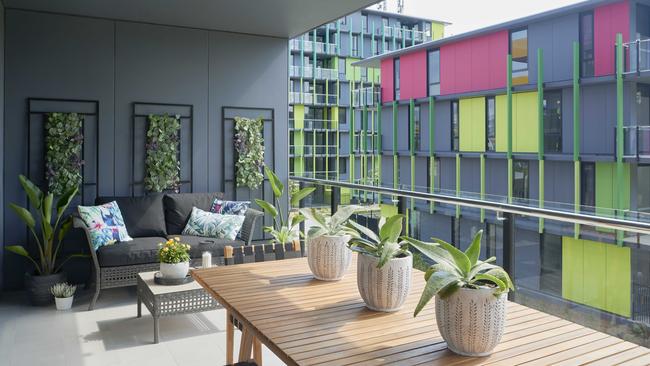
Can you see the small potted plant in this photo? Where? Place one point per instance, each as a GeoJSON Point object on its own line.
{"type": "Point", "coordinates": [384, 265]}
{"type": "Point", "coordinates": [174, 259]}
{"type": "Point", "coordinates": [63, 295]}
{"type": "Point", "coordinates": [466, 287]}
{"type": "Point", "coordinates": [327, 241]}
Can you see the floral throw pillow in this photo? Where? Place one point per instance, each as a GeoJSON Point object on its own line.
{"type": "Point", "coordinates": [230, 207]}
{"type": "Point", "coordinates": [213, 225]}
{"type": "Point", "coordinates": [105, 224]}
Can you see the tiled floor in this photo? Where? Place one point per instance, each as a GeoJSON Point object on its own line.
{"type": "Point", "coordinates": [109, 335]}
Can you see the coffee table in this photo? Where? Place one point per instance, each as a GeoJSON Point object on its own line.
{"type": "Point", "coordinates": [171, 300]}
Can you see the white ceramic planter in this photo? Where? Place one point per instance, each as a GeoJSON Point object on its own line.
{"type": "Point", "coordinates": [471, 321]}
{"type": "Point", "coordinates": [329, 256]}
{"type": "Point", "coordinates": [174, 270]}
{"type": "Point", "coordinates": [385, 288]}
{"type": "Point", "coordinates": [63, 303]}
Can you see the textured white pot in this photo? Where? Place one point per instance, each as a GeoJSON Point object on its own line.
{"type": "Point", "coordinates": [385, 288]}
{"type": "Point", "coordinates": [174, 270]}
{"type": "Point", "coordinates": [471, 321]}
{"type": "Point", "coordinates": [63, 303]}
{"type": "Point", "coordinates": [329, 256]}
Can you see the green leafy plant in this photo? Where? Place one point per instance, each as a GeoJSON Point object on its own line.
{"type": "Point", "coordinates": [63, 144]}
{"type": "Point", "coordinates": [63, 290]}
{"type": "Point", "coordinates": [386, 245]}
{"type": "Point", "coordinates": [249, 145]}
{"type": "Point", "coordinates": [161, 162]}
{"type": "Point", "coordinates": [284, 227]}
{"type": "Point", "coordinates": [455, 269]}
{"type": "Point", "coordinates": [173, 251]}
{"type": "Point", "coordinates": [48, 237]}
{"type": "Point", "coordinates": [334, 225]}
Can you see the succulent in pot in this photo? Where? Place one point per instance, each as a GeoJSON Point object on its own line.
{"type": "Point", "coordinates": [328, 254]}
{"type": "Point", "coordinates": [63, 295]}
{"type": "Point", "coordinates": [384, 264]}
{"type": "Point", "coordinates": [174, 259]}
{"type": "Point", "coordinates": [470, 295]}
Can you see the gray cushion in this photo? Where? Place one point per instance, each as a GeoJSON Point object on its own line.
{"type": "Point", "coordinates": [178, 208]}
{"type": "Point", "coordinates": [143, 216]}
{"type": "Point", "coordinates": [137, 251]}
{"type": "Point", "coordinates": [201, 244]}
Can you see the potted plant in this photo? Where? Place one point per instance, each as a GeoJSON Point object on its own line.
{"type": "Point", "coordinates": [327, 241]}
{"type": "Point", "coordinates": [284, 229]}
{"type": "Point", "coordinates": [63, 295]}
{"type": "Point", "coordinates": [384, 265]}
{"type": "Point", "coordinates": [47, 237]}
{"type": "Point", "coordinates": [470, 296]}
{"type": "Point", "coordinates": [174, 259]}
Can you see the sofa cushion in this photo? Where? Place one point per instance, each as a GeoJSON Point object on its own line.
{"type": "Point", "coordinates": [143, 216]}
{"type": "Point", "coordinates": [178, 208]}
{"type": "Point", "coordinates": [200, 244]}
{"type": "Point", "coordinates": [213, 225]}
{"type": "Point", "coordinates": [105, 224]}
{"type": "Point", "coordinates": [137, 251]}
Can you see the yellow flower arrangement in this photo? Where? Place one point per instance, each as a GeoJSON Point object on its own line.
{"type": "Point", "coordinates": [173, 251]}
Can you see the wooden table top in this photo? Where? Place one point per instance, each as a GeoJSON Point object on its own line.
{"type": "Point", "coordinates": [309, 322]}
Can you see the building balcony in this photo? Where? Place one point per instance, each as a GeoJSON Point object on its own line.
{"type": "Point", "coordinates": [312, 99]}
{"type": "Point", "coordinates": [636, 141]}
{"type": "Point", "coordinates": [310, 46]}
{"type": "Point", "coordinates": [637, 55]}
{"type": "Point", "coordinates": [311, 72]}
{"type": "Point", "coordinates": [409, 34]}
{"type": "Point", "coordinates": [311, 150]}
{"type": "Point", "coordinates": [313, 124]}
{"type": "Point", "coordinates": [365, 97]}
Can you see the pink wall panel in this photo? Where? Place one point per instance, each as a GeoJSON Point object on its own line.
{"type": "Point", "coordinates": [608, 21]}
{"type": "Point", "coordinates": [474, 64]}
{"type": "Point", "coordinates": [413, 70]}
{"type": "Point", "coordinates": [387, 80]}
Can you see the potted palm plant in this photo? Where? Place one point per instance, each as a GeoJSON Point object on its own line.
{"type": "Point", "coordinates": [384, 264]}
{"type": "Point", "coordinates": [284, 229]}
{"type": "Point", "coordinates": [47, 237]}
{"type": "Point", "coordinates": [327, 241]}
{"type": "Point", "coordinates": [470, 295]}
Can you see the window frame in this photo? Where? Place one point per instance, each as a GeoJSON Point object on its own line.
{"type": "Point", "coordinates": [429, 83]}
{"type": "Point", "coordinates": [355, 45]}
{"type": "Point", "coordinates": [454, 106]}
{"type": "Point", "coordinates": [584, 189]}
{"type": "Point", "coordinates": [581, 42]}
{"type": "Point", "coordinates": [515, 164]}
{"type": "Point", "coordinates": [364, 23]}
{"type": "Point", "coordinates": [436, 178]}
{"type": "Point", "coordinates": [491, 98]}
{"type": "Point", "coordinates": [417, 126]}
{"type": "Point", "coordinates": [397, 77]}
{"type": "Point", "coordinates": [547, 93]}
{"type": "Point", "coordinates": [527, 69]}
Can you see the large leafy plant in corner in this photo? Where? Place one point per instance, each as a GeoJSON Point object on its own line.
{"type": "Point", "coordinates": [455, 269]}
{"type": "Point", "coordinates": [162, 167]}
{"type": "Point", "coordinates": [284, 228]}
{"type": "Point", "coordinates": [48, 236]}
{"type": "Point", "coordinates": [63, 144]}
{"type": "Point", "coordinates": [386, 245]}
{"type": "Point", "coordinates": [334, 225]}
{"type": "Point", "coordinates": [249, 145]}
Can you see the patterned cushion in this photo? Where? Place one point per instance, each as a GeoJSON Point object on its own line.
{"type": "Point", "coordinates": [229, 207]}
{"type": "Point", "coordinates": [105, 224]}
{"type": "Point", "coordinates": [213, 225]}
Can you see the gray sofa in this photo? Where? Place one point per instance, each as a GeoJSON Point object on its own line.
{"type": "Point", "coordinates": [150, 220]}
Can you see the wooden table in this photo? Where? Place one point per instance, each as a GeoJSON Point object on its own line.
{"type": "Point", "coordinates": [309, 322]}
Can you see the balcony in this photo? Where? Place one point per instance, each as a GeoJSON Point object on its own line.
{"type": "Point", "coordinates": [309, 72]}
{"type": "Point", "coordinates": [636, 141]}
{"type": "Point", "coordinates": [313, 124]}
{"type": "Point", "coordinates": [310, 46]}
{"type": "Point", "coordinates": [312, 99]}
{"type": "Point", "coordinates": [408, 34]}
{"type": "Point", "coordinates": [365, 97]}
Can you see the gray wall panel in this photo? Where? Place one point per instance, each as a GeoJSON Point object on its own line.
{"type": "Point", "coordinates": [448, 174]}
{"type": "Point", "coordinates": [496, 177]}
{"type": "Point", "coordinates": [555, 36]}
{"type": "Point", "coordinates": [559, 176]}
{"type": "Point", "coordinates": [443, 126]}
{"type": "Point", "coordinates": [470, 175]}
{"type": "Point", "coordinates": [598, 112]}
{"type": "Point", "coordinates": [424, 127]}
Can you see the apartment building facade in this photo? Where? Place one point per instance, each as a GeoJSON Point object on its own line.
{"type": "Point", "coordinates": [551, 110]}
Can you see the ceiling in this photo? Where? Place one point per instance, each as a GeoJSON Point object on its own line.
{"type": "Point", "coordinates": [277, 18]}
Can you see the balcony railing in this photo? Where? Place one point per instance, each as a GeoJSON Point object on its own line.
{"type": "Point", "coordinates": [312, 99]}
{"type": "Point", "coordinates": [307, 150]}
{"type": "Point", "coordinates": [365, 97]}
{"type": "Point", "coordinates": [409, 34]}
{"type": "Point", "coordinates": [313, 123]}
{"type": "Point", "coordinates": [310, 46]}
{"type": "Point", "coordinates": [636, 141]}
{"type": "Point", "coordinates": [637, 54]}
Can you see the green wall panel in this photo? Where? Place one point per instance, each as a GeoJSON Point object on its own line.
{"type": "Point", "coordinates": [437, 30]}
{"type": "Point", "coordinates": [472, 124]}
{"type": "Point", "coordinates": [596, 274]}
{"type": "Point", "coordinates": [352, 73]}
{"type": "Point", "coordinates": [524, 123]}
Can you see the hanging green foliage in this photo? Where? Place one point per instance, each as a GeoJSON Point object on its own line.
{"type": "Point", "coordinates": [162, 167]}
{"type": "Point", "coordinates": [63, 146]}
{"type": "Point", "coordinates": [249, 145]}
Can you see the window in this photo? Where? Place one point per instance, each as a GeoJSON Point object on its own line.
{"type": "Point", "coordinates": [436, 174]}
{"type": "Point", "coordinates": [490, 124]}
{"type": "Point", "coordinates": [344, 20]}
{"type": "Point", "coordinates": [364, 22]}
{"type": "Point", "coordinates": [384, 22]}
{"type": "Point", "coordinates": [342, 66]}
{"type": "Point", "coordinates": [364, 74]}
{"type": "Point", "coordinates": [427, 29]}
{"type": "Point", "coordinates": [343, 116]}
{"type": "Point", "coordinates": [550, 280]}
{"type": "Point", "coordinates": [433, 72]}
{"type": "Point", "coordinates": [396, 78]}
{"type": "Point", "coordinates": [587, 44]}
{"type": "Point", "coordinates": [375, 46]}
{"type": "Point", "coordinates": [519, 52]}
{"type": "Point", "coordinates": [386, 46]}
{"type": "Point", "coordinates": [416, 128]}
{"type": "Point", "coordinates": [355, 45]}
{"type": "Point", "coordinates": [553, 121]}
{"type": "Point", "coordinates": [454, 125]}
{"type": "Point", "coordinates": [520, 184]}
{"type": "Point", "coordinates": [588, 186]}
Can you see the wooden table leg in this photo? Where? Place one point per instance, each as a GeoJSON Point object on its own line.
{"type": "Point", "coordinates": [257, 351]}
{"type": "Point", "coordinates": [246, 345]}
{"type": "Point", "coordinates": [230, 339]}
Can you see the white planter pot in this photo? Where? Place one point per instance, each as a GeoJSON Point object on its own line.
{"type": "Point", "coordinates": [329, 256]}
{"type": "Point", "coordinates": [63, 303]}
{"type": "Point", "coordinates": [385, 288]}
{"type": "Point", "coordinates": [174, 270]}
{"type": "Point", "coordinates": [471, 321]}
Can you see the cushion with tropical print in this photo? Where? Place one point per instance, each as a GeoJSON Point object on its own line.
{"type": "Point", "coordinates": [105, 224]}
{"type": "Point", "coordinates": [229, 207]}
{"type": "Point", "coordinates": [213, 225]}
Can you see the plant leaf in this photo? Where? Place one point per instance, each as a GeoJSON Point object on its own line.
{"type": "Point", "coordinates": [486, 277]}
{"type": "Point", "coordinates": [364, 230]}
{"type": "Point", "coordinates": [47, 209]}
{"type": "Point", "coordinates": [20, 250]}
{"type": "Point", "coordinates": [343, 215]}
{"type": "Point", "coordinates": [24, 215]}
{"type": "Point", "coordinates": [435, 252]}
{"type": "Point", "coordinates": [64, 201]}
{"type": "Point", "coordinates": [474, 249]}
{"type": "Point", "coordinates": [300, 195]}
{"type": "Point", "coordinates": [461, 260]}
{"type": "Point", "coordinates": [436, 282]}
{"type": "Point", "coordinates": [392, 228]}
{"type": "Point", "coordinates": [34, 193]}
{"type": "Point", "coordinates": [267, 207]}
{"type": "Point", "coordinates": [502, 275]}
{"type": "Point", "coordinates": [276, 183]}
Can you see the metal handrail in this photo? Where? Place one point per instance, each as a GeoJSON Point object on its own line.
{"type": "Point", "coordinates": [516, 209]}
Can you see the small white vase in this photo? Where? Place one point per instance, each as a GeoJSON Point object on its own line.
{"type": "Point", "coordinates": [386, 288]}
{"type": "Point", "coordinates": [63, 303]}
{"type": "Point", "coordinates": [174, 270]}
{"type": "Point", "coordinates": [471, 321]}
{"type": "Point", "coordinates": [329, 256]}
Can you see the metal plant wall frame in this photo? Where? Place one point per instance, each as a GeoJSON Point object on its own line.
{"type": "Point", "coordinates": [63, 152]}
{"type": "Point", "coordinates": [162, 164]}
{"type": "Point", "coordinates": [249, 148]}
